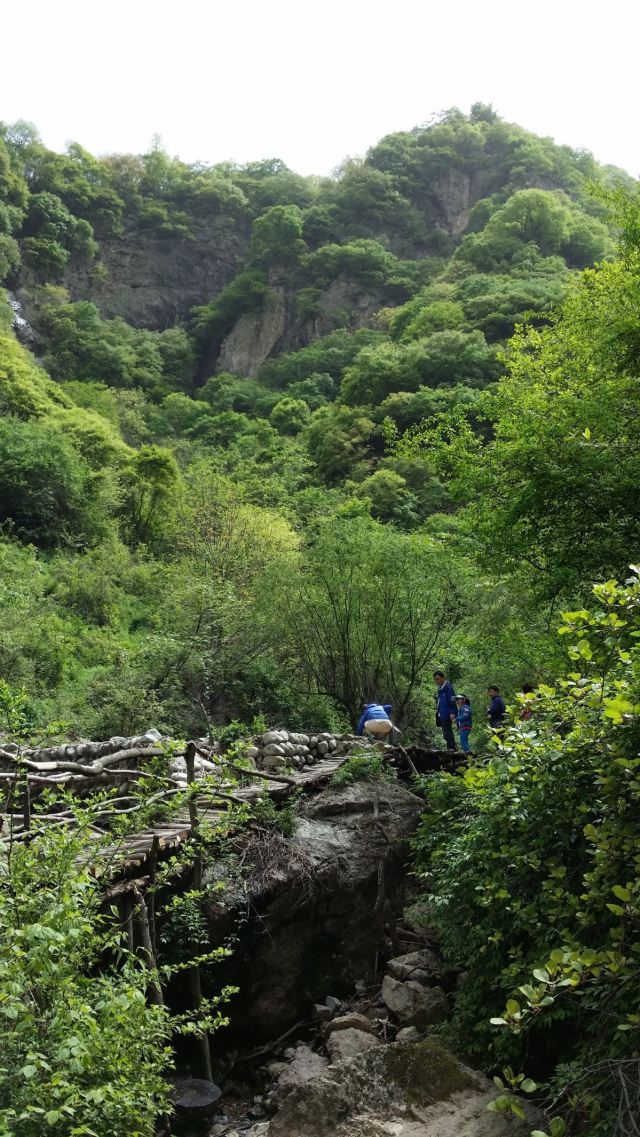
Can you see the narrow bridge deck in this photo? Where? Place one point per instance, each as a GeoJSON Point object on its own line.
{"type": "Point", "coordinates": [133, 851]}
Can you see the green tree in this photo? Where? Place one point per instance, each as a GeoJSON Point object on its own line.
{"type": "Point", "coordinates": [276, 238]}
{"type": "Point", "coordinates": [289, 415]}
{"type": "Point", "coordinates": [337, 438]}
{"type": "Point", "coordinates": [365, 617]}
{"type": "Point", "coordinates": [554, 489]}
{"type": "Point", "coordinates": [48, 493]}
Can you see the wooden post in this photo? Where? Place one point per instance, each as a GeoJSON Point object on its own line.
{"type": "Point", "coordinates": [26, 805]}
{"type": "Point", "coordinates": [155, 990]}
{"type": "Point", "coordinates": [195, 982]}
{"type": "Point", "coordinates": [151, 892]}
{"type": "Point", "coordinates": [128, 918]}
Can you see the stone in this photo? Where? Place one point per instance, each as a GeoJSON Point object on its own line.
{"type": "Point", "coordinates": [271, 736]}
{"type": "Point", "coordinates": [352, 1020]}
{"type": "Point", "coordinates": [274, 1069]}
{"type": "Point", "coordinates": [413, 1004]}
{"type": "Point", "coordinates": [321, 1013]}
{"type": "Point", "coordinates": [419, 965]}
{"type": "Point", "coordinates": [323, 748]}
{"type": "Point", "coordinates": [395, 1085]}
{"type": "Point", "coordinates": [252, 752]}
{"type": "Point", "coordinates": [304, 1066]}
{"type": "Point", "coordinates": [273, 761]}
{"type": "Point", "coordinates": [408, 1034]}
{"type": "Point", "coordinates": [274, 748]}
{"type": "Point", "coordinates": [332, 1003]}
{"type": "Point", "coordinates": [347, 1043]}
{"type": "Point", "coordinates": [333, 745]}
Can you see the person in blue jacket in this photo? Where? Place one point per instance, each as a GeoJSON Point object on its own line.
{"type": "Point", "coordinates": [464, 720]}
{"type": "Point", "coordinates": [375, 719]}
{"type": "Point", "coordinates": [446, 710]}
{"type": "Point", "coordinates": [497, 709]}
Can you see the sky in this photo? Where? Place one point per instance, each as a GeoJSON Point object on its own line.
{"type": "Point", "coordinates": [316, 83]}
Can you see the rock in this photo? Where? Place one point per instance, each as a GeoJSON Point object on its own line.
{"type": "Point", "coordinates": [272, 736]}
{"type": "Point", "coordinates": [347, 1043]}
{"type": "Point", "coordinates": [313, 741]}
{"type": "Point", "coordinates": [321, 1013]}
{"type": "Point", "coordinates": [413, 1004]}
{"type": "Point", "coordinates": [332, 1003]}
{"type": "Point", "coordinates": [309, 926]}
{"type": "Point", "coordinates": [274, 1069]}
{"type": "Point", "coordinates": [274, 748]}
{"type": "Point", "coordinates": [252, 752]}
{"type": "Point", "coordinates": [352, 1020]}
{"type": "Point", "coordinates": [408, 1034]}
{"type": "Point", "coordinates": [333, 745]}
{"type": "Point", "coordinates": [305, 1065]}
{"type": "Point", "coordinates": [418, 965]}
{"type": "Point", "coordinates": [386, 1083]}
{"type": "Point", "coordinates": [273, 761]}
{"type": "Point", "coordinates": [323, 748]}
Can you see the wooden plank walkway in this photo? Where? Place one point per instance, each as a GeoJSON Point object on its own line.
{"type": "Point", "coordinates": [134, 850]}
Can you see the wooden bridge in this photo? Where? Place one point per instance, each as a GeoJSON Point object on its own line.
{"type": "Point", "coordinates": [204, 787]}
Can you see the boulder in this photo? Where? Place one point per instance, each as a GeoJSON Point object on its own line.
{"type": "Point", "coordinates": [347, 1043]}
{"type": "Point", "coordinates": [419, 965]}
{"type": "Point", "coordinates": [271, 736]}
{"type": "Point", "coordinates": [304, 1066]}
{"type": "Point", "coordinates": [274, 748]}
{"type": "Point", "coordinates": [408, 1034]}
{"type": "Point", "coordinates": [413, 1004]}
{"type": "Point", "coordinates": [352, 1020]}
{"type": "Point", "coordinates": [388, 1083]}
{"type": "Point", "coordinates": [317, 921]}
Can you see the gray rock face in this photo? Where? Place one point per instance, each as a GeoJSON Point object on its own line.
{"type": "Point", "coordinates": [371, 1096]}
{"type": "Point", "coordinates": [318, 925]}
{"type": "Point", "coordinates": [153, 280]}
{"type": "Point", "coordinates": [413, 1004]}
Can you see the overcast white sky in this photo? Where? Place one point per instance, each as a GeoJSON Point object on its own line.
{"type": "Point", "coordinates": [314, 82]}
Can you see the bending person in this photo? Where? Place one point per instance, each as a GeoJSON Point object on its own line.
{"type": "Point", "coordinates": [375, 720]}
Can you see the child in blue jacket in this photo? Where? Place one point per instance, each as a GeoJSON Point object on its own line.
{"type": "Point", "coordinates": [464, 720]}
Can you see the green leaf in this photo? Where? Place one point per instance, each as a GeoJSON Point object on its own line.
{"type": "Point", "coordinates": [621, 893]}
{"type": "Point", "coordinates": [529, 1086]}
{"type": "Point", "coordinates": [541, 975]}
{"type": "Point", "coordinates": [616, 909]}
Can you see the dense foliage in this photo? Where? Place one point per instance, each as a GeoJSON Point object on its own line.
{"type": "Point", "coordinates": [531, 865]}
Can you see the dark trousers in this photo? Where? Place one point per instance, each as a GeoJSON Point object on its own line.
{"type": "Point", "coordinates": [449, 737]}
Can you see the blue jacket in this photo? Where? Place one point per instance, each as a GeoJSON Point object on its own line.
{"type": "Point", "coordinates": [496, 710]}
{"type": "Point", "coordinates": [374, 711]}
{"type": "Point", "coordinates": [463, 717]}
{"type": "Point", "coordinates": [445, 702]}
